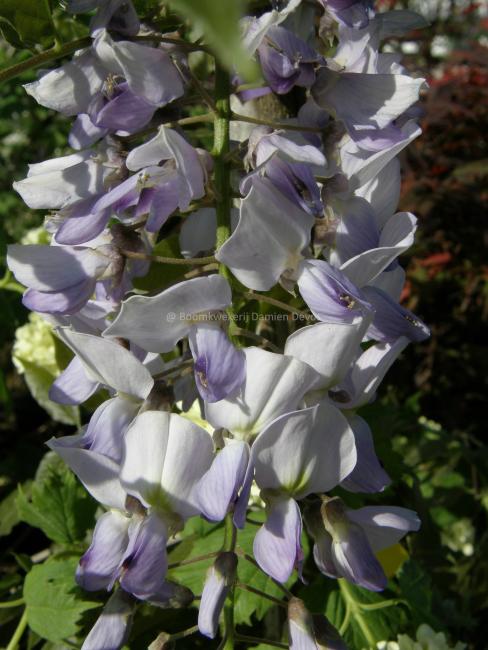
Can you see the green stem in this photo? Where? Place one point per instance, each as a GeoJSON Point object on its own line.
{"type": "Point", "coordinates": [19, 631]}
{"type": "Point", "coordinates": [355, 610]}
{"type": "Point", "coordinates": [56, 52]}
{"type": "Point", "coordinates": [12, 603]}
{"type": "Point", "coordinates": [239, 331]}
{"type": "Point", "coordinates": [220, 150]}
{"type": "Point", "coordinates": [184, 633]}
{"type": "Point", "coordinates": [9, 284]}
{"type": "Point", "coordinates": [251, 560]}
{"type": "Point", "coordinates": [371, 607]}
{"type": "Point", "coordinates": [230, 538]}
{"type": "Point", "coordinates": [254, 640]}
{"type": "Point", "coordinates": [275, 125]}
{"type": "Point", "coordinates": [261, 594]}
{"type": "Point", "coordinates": [200, 558]}
{"type": "Point", "coordinates": [192, 261]}
{"type": "Point", "coordinates": [252, 295]}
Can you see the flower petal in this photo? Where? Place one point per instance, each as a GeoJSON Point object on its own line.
{"type": "Point", "coordinates": [216, 491]}
{"type": "Point", "coordinates": [277, 546]}
{"type": "Point", "coordinates": [97, 567]}
{"type": "Point", "coordinates": [157, 324]}
{"type": "Point", "coordinates": [307, 451]}
{"type": "Point", "coordinates": [109, 363]}
{"type": "Point", "coordinates": [274, 385]}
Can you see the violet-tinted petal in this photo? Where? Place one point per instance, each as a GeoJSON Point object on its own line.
{"type": "Point", "coordinates": [99, 474]}
{"type": "Point", "coordinates": [277, 546]}
{"type": "Point", "coordinates": [78, 230]}
{"type": "Point", "coordinates": [149, 72]}
{"type": "Point", "coordinates": [217, 490]}
{"type": "Point", "coordinates": [220, 368]}
{"type": "Point", "coordinates": [157, 323]}
{"type": "Point", "coordinates": [269, 239]}
{"type": "Point", "coordinates": [218, 581]}
{"type": "Point", "coordinates": [297, 182]}
{"type": "Point", "coordinates": [329, 348]}
{"type": "Point", "coordinates": [275, 383]}
{"type": "Point", "coordinates": [84, 133]}
{"type": "Point", "coordinates": [67, 301]}
{"type": "Point", "coordinates": [357, 231]}
{"type": "Point", "coordinates": [304, 452]}
{"type": "Point", "coordinates": [240, 510]}
{"type": "Point", "coordinates": [368, 475]}
{"type": "Point", "coordinates": [112, 628]}
{"type": "Point", "coordinates": [54, 268]}
{"type": "Point", "coordinates": [354, 559]}
{"type": "Point", "coordinates": [70, 88]}
{"type": "Point", "coordinates": [166, 455]}
{"type": "Point", "coordinates": [368, 372]}
{"type": "Point", "coordinates": [396, 237]}
{"type": "Point", "coordinates": [391, 320]}
{"type": "Point", "coordinates": [73, 386]}
{"type": "Point", "coordinates": [98, 566]}
{"type": "Point", "coordinates": [278, 70]}
{"type": "Point", "coordinates": [165, 200]}
{"type": "Point", "coordinates": [109, 363]}
{"type": "Point", "coordinates": [384, 97]}
{"type": "Point", "coordinates": [362, 166]}
{"type": "Point", "coordinates": [300, 626]}
{"type": "Point", "coordinates": [107, 426]}
{"type": "Point", "coordinates": [330, 295]}
{"type": "Point", "coordinates": [144, 565]}
{"type": "Point", "coordinates": [384, 525]}
{"type": "Point", "coordinates": [126, 112]}
{"type": "Point", "coordinates": [322, 554]}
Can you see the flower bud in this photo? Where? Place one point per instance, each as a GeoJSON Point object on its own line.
{"type": "Point", "coordinates": [300, 626]}
{"type": "Point", "coordinates": [113, 625]}
{"type": "Point", "coordinates": [220, 578]}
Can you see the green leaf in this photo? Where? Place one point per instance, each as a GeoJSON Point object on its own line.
{"type": "Point", "coordinates": [9, 515]}
{"type": "Point", "coordinates": [202, 538]}
{"type": "Point", "coordinates": [416, 588]}
{"type": "Point", "coordinates": [26, 22]}
{"type": "Point", "coordinates": [363, 628]}
{"type": "Point", "coordinates": [58, 504]}
{"type": "Point", "coordinates": [220, 25]}
{"type": "Point", "coordinates": [54, 603]}
{"type": "Point", "coordinates": [246, 603]}
{"type": "Point", "coordinates": [39, 381]}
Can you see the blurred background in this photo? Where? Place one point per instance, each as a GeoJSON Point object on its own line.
{"type": "Point", "coordinates": [430, 418]}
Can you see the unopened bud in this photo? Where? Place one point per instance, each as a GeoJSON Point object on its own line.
{"type": "Point", "coordinates": [300, 625]}
{"type": "Point", "coordinates": [220, 578]}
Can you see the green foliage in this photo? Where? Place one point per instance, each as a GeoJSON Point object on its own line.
{"type": "Point", "coordinates": [54, 604]}
{"type": "Point", "coordinates": [39, 382]}
{"type": "Point", "coordinates": [26, 22]}
{"type": "Point", "coordinates": [202, 538]}
{"type": "Point", "coordinates": [9, 514]}
{"type": "Point", "coordinates": [58, 504]}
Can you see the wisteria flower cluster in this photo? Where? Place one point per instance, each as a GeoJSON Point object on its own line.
{"type": "Point", "coordinates": [306, 204]}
